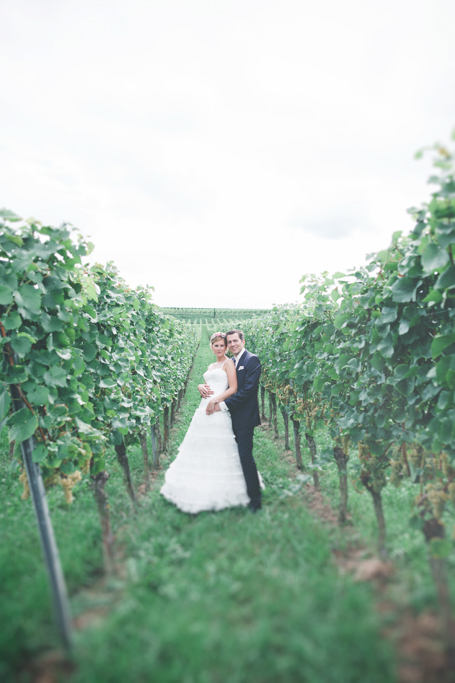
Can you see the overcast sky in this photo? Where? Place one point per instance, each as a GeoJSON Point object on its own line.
{"type": "Point", "coordinates": [219, 150]}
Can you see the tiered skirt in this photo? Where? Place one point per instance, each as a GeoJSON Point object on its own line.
{"type": "Point", "coordinates": [207, 473]}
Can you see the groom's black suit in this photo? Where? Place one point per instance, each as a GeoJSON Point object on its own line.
{"type": "Point", "coordinates": [244, 409]}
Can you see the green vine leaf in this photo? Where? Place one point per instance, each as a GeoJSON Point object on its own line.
{"type": "Point", "coordinates": [22, 425]}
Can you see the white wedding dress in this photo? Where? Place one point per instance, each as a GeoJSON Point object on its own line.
{"type": "Point", "coordinates": [207, 474]}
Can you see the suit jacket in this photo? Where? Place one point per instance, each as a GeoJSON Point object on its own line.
{"type": "Point", "coordinates": [243, 405]}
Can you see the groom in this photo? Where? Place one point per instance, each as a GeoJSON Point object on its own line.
{"type": "Point", "coordinates": [244, 409]}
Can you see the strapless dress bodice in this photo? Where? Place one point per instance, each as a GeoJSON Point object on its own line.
{"type": "Point", "coordinates": [217, 380]}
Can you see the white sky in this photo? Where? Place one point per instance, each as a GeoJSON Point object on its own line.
{"type": "Point", "coordinates": [219, 150]}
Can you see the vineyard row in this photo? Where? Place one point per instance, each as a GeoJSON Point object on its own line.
{"type": "Point", "coordinates": [87, 363]}
{"type": "Point", "coordinates": [370, 357]}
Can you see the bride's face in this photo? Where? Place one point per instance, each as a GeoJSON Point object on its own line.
{"type": "Point", "coordinates": [219, 348]}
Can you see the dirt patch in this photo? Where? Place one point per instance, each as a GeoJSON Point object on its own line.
{"type": "Point", "coordinates": [319, 507]}
{"type": "Point", "coordinates": [90, 617]}
{"type": "Point", "coordinates": [143, 489]}
{"type": "Point", "coordinates": [421, 652]}
{"type": "Point", "coordinates": [50, 667]}
{"type": "Point", "coordinates": [363, 568]}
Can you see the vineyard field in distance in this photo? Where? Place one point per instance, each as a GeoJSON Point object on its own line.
{"type": "Point", "coordinates": [215, 317]}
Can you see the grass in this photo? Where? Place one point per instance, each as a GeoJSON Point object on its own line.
{"type": "Point", "coordinates": [224, 597]}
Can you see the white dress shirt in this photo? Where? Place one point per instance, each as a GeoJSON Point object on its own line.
{"type": "Point", "coordinates": [223, 406]}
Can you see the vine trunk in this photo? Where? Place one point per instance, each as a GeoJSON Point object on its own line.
{"type": "Point", "coordinates": [298, 452]}
{"type": "Point", "coordinates": [287, 445]}
{"type": "Point", "coordinates": [122, 457]}
{"type": "Point", "coordinates": [98, 484]}
{"type": "Point", "coordinates": [312, 446]}
{"type": "Point", "coordinates": [379, 512]}
{"type": "Point", "coordinates": [145, 455]}
{"type": "Point", "coordinates": [341, 459]}
{"type": "Point", "coordinates": [263, 417]}
{"type": "Point", "coordinates": [433, 529]}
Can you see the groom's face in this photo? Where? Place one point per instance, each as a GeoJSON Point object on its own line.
{"type": "Point", "coordinates": [235, 344]}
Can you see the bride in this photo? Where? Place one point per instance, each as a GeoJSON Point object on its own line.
{"type": "Point", "coordinates": [207, 474]}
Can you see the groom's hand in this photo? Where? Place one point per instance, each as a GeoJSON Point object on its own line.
{"type": "Point", "coordinates": [212, 407]}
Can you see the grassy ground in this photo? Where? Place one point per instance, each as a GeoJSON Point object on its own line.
{"type": "Point", "coordinates": [224, 597]}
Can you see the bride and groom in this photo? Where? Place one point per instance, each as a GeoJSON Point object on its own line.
{"type": "Point", "coordinates": [215, 468]}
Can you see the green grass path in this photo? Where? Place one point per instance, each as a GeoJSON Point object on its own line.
{"type": "Point", "coordinates": [227, 597]}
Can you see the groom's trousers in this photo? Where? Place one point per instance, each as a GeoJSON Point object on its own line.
{"type": "Point", "coordinates": [244, 438]}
